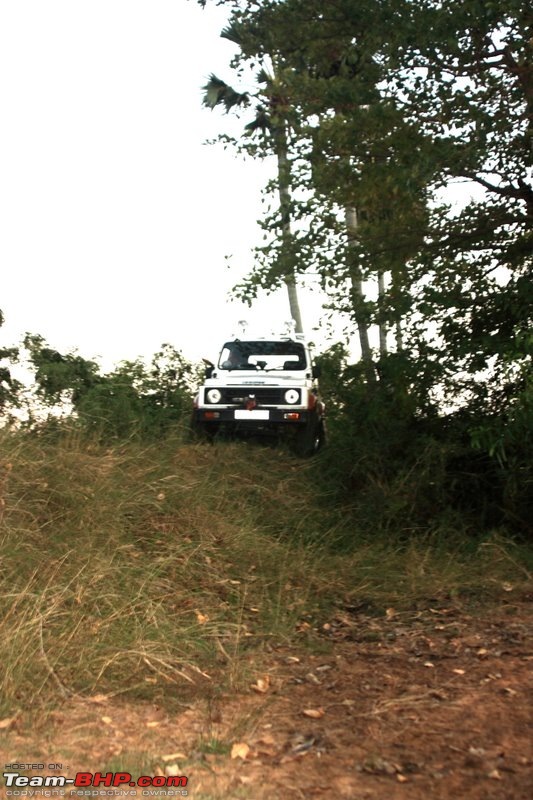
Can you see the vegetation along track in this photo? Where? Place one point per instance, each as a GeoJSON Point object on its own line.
{"type": "Point", "coordinates": [210, 601]}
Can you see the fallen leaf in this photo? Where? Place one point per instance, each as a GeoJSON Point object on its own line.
{"type": "Point", "coordinates": [314, 713]}
{"type": "Point", "coordinates": [201, 618]}
{"type": "Point", "coordinates": [401, 778]}
{"type": "Point", "coordinates": [266, 750]}
{"type": "Point", "coordinates": [98, 698]}
{"type": "Point", "coordinates": [172, 757]}
{"type": "Point", "coordinates": [106, 720]}
{"type": "Point", "coordinates": [495, 775]}
{"type": "Point", "coordinates": [240, 750]}
{"type": "Point", "coordinates": [261, 685]}
{"type": "Point", "coordinates": [429, 664]}
{"type": "Point", "coordinates": [7, 723]}
{"type": "Point", "coordinates": [458, 671]}
{"type": "Point", "coordinates": [267, 739]}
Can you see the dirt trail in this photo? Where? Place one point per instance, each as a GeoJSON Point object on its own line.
{"type": "Point", "coordinates": [406, 706]}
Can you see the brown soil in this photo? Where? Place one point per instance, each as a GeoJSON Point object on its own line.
{"type": "Point", "coordinates": [402, 706]}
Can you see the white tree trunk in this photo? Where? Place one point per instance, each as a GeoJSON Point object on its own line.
{"type": "Point", "coordinates": [284, 179]}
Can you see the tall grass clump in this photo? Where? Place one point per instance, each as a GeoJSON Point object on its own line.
{"type": "Point", "coordinates": [132, 568]}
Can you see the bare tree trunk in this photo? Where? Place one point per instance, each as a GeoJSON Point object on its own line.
{"type": "Point", "coordinates": [395, 294]}
{"type": "Point", "coordinates": [357, 296]}
{"type": "Point", "coordinates": [399, 337]}
{"type": "Point", "coordinates": [382, 324]}
{"type": "Point", "coordinates": [284, 182]}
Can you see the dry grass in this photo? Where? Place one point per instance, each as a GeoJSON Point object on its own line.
{"type": "Point", "coordinates": [155, 570]}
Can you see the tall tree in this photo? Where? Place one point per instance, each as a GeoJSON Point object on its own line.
{"type": "Point", "coordinates": [398, 103]}
{"type": "Point", "coordinates": [271, 123]}
{"type": "Point", "coordinates": [356, 155]}
{"type": "Point", "coordinates": [357, 292]}
{"type": "Point", "coordinates": [466, 80]}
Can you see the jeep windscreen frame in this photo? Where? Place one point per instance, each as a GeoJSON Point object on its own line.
{"type": "Point", "coordinates": [268, 356]}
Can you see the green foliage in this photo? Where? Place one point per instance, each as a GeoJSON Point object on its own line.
{"type": "Point", "coordinates": [139, 399]}
{"type": "Point", "coordinates": [9, 387]}
{"type": "Point", "coordinates": [135, 399]}
{"type": "Point", "coordinates": [217, 92]}
{"type": "Point", "coordinates": [406, 469]}
{"type": "Point", "coordinates": [387, 104]}
{"type": "Point", "coordinates": [471, 94]}
{"type": "Point", "coordinates": [57, 375]}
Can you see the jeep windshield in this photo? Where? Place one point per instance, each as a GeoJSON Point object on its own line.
{"type": "Point", "coordinates": [263, 355]}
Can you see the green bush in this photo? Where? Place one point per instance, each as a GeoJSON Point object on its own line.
{"type": "Point", "coordinates": [404, 468]}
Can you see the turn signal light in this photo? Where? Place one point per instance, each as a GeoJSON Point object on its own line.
{"type": "Point", "coordinates": [293, 415]}
{"type": "Point", "coordinates": [211, 414]}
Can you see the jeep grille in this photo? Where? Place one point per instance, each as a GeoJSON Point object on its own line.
{"type": "Point", "coordinates": [265, 395]}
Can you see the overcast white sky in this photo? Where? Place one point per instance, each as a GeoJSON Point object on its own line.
{"type": "Point", "coordinates": [115, 217]}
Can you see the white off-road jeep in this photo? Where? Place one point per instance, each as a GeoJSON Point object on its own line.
{"type": "Point", "coordinates": [263, 386]}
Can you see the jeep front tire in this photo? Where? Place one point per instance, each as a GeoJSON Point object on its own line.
{"type": "Point", "coordinates": [311, 437]}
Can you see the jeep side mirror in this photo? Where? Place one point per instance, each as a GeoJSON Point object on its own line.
{"type": "Point", "coordinates": [209, 367]}
{"type": "Point", "coordinates": [317, 370]}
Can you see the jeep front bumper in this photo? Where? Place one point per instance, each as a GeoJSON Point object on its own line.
{"type": "Point", "coordinates": [251, 418]}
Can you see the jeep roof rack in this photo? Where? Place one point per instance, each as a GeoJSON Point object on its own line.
{"type": "Point", "coordinates": [285, 337]}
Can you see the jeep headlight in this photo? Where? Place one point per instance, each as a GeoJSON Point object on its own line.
{"type": "Point", "coordinates": [213, 396]}
{"type": "Point", "coordinates": [292, 396]}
